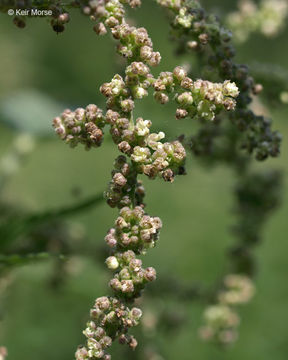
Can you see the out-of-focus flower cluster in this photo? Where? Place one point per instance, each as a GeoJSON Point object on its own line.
{"type": "Point", "coordinates": [200, 98]}
{"type": "Point", "coordinates": [221, 324]}
{"type": "Point", "coordinates": [110, 319]}
{"type": "Point", "coordinates": [10, 162]}
{"type": "Point", "coordinates": [237, 290]}
{"type": "Point", "coordinates": [3, 353]}
{"type": "Point", "coordinates": [221, 321]}
{"type": "Point", "coordinates": [268, 18]}
{"type": "Point", "coordinates": [170, 4]}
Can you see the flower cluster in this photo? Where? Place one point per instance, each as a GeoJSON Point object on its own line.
{"type": "Point", "coordinates": [204, 33]}
{"type": "Point", "coordinates": [81, 126]}
{"type": "Point", "coordinates": [132, 278]}
{"type": "Point", "coordinates": [221, 320]}
{"type": "Point", "coordinates": [120, 92]}
{"type": "Point", "coordinates": [149, 155]}
{"type": "Point", "coordinates": [198, 98]}
{"type": "Point", "coordinates": [134, 233]}
{"type": "Point", "coordinates": [267, 18]}
{"type": "Point", "coordinates": [134, 43]}
{"type": "Point", "coordinates": [238, 289]}
{"type": "Point", "coordinates": [110, 319]}
{"type": "Point", "coordinates": [107, 13]}
{"type": "Point", "coordinates": [134, 230]}
{"type": "Point", "coordinates": [121, 187]}
{"type": "Point", "coordinates": [156, 158]}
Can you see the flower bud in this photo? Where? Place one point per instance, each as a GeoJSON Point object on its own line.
{"type": "Point", "coordinates": [185, 99]}
{"type": "Point", "coordinates": [150, 274]}
{"type": "Point", "coordinates": [181, 113]}
{"type": "Point", "coordinates": [179, 73]}
{"type": "Point", "coordinates": [115, 284]}
{"type": "Point", "coordinates": [100, 29]}
{"type": "Point", "coordinates": [127, 105]}
{"type": "Point", "coordinates": [124, 147]}
{"type": "Point", "coordinates": [136, 313]}
{"type": "Point", "coordinates": [103, 303]}
{"type": "Point", "coordinates": [112, 263]}
{"type": "Point", "coordinates": [119, 180]}
{"type": "Point", "coordinates": [132, 343]}
{"type": "Point", "coordinates": [127, 286]}
{"type": "Point", "coordinates": [161, 97]}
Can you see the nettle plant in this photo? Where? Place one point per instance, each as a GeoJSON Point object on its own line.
{"type": "Point", "coordinates": [229, 132]}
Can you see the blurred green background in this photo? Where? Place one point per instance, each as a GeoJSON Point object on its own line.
{"type": "Point", "coordinates": [41, 74]}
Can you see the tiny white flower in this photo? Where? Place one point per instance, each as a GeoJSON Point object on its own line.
{"type": "Point", "coordinates": [142, 127]}
{"type": "Point", "coordinates": [230, 89]}
{"type": "Point", "coordinates": [112, 262]}
{"type": "Point", "coordinates": [140, 154]}
{"type": "Point", "coordinates": [140, 92]}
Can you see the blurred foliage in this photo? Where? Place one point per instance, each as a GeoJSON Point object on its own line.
{"type": "Point", "coordinates": [41, 73]}
{"type": "Point", "coordinates": [28, 110]}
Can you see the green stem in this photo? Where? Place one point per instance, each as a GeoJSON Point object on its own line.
{"type": "Point", "coordinates": [11, 229]}
{"type": "Point", "coordinates": [134, 176]}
